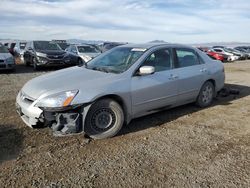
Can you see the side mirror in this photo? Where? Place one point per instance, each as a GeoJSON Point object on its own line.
{"type": "Point", "coordinates": [146, 70]}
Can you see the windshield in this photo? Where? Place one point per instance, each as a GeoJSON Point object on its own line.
{"type": "Point", "coordinates": [63, 45]}
{"type": "Point", "coordinates": [87, 49]}
{"type": "Point", "coordinates": [3, 49]}
{"type": "Point", "coordinates": [228, 50]}
{"type": "Point", "coordinates": [46, 45]}
{"type": "Point", "coordinates": [117, 60]}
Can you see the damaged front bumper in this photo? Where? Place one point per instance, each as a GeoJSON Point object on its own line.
{"type": "Point", "coordinates": [62, 121]}
{"type": "Point", "coordinates": [26, 108]}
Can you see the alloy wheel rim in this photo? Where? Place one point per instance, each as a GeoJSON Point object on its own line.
{"type": "Point", "coordinates": [207, 94]}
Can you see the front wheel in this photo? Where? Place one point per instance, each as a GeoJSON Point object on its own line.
{"type": "Point", "coordinates": [35, 66]}
{"type": "Point", "coordinates": [105, 118]}
{"type": "Point", "coordinates": [206, 95]}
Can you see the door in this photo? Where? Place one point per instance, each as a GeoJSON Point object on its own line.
{"type": "Point", "coordinates": [191, 71]}
{"type": "Point", "coordinates": [159, 90]}
{"type": "Point", "coordinates": [27, 54]}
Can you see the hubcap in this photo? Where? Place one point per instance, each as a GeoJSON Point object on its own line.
{"type": "Point", "coordinates": [103, 119]}
{"type": "Point", "coordinates": [207, 94]}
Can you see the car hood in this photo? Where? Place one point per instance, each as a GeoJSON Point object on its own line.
{"type": "Point", "coordinates": [52, 52]}
{"type": "Point", "coordinates": [89, 54]}
{"type": "Point", "coordinates": [74, 78]}
{"type": "Point", "coordinates": [4, 56]}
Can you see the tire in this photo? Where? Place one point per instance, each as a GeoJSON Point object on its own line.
{"type": "Point", "coordinates": [206, 95]}
{"type": "Point", "coordinates": [80, 62]}
{"type": "Point", "coordinates": [26, 63]}
{"type": "Point", "coordinates": [35, 66]}
{"type": "Point", "coordinates": [105, 118]}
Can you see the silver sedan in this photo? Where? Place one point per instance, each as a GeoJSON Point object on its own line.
{"type": "Point", "coordinates": [121, 84]}
{"type": "Point", "coordinates": [7, 61]}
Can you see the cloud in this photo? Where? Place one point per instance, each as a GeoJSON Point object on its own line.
{"type": "Point", "coordinates": [128, 20]}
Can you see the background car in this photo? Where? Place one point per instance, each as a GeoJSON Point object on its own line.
{"type": "Point", "coordinates": [217, 56]}
{"type": "Point", "coordinates": [85, 51]}
{"type": "Point", "coordinates": [46, 53]}
{"type": "Point", "coordinates": [7, 61]}
{"type": "Point", "coordinates": [19, 49]}
{"type": "Point", "coordinates": [244, 50]}
{"type": "Point", "coordinates": [223, 51]}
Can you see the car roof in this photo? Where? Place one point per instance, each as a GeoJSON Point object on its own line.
{"type": "Point", "coordinates": [151, 45]}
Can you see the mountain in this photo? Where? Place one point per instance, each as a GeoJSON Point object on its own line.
{"type": "Point", "coordinates": [228, 44]}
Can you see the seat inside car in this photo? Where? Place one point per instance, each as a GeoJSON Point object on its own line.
{"type": "Point", "coordinates": [187, 60]}
{"type": "Point", "coordinates": [161, 61]}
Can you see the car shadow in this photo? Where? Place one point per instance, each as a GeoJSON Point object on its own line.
{"type": "Point", "coordinates": [11, 142]}
{"type": "Point", "coordinates": [166, 116]}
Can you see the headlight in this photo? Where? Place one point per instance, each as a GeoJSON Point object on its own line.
{"type": "Point", "coordinates": [41, 54]}
{"type": "Point", "coordinates": [86, 58]}
{"type": "Point", "coordinates": [42, 59]}
{"type": "Point", "coordinates": [58, 100]}
{"type": "Point", "coordinates": [9, 60]}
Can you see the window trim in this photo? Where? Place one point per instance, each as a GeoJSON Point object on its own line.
{"type": "Point", "coordinates": [150, 53]}
{"type": "Point", "coordinates": [176, 63]}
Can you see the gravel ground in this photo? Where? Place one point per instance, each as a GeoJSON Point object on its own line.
{"type": "Point", "coordinates": [182, 147]}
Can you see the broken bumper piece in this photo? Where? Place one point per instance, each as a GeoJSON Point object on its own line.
{"type": "Point", "coordinates": [67, 124]}
{"type": "Point", "coordinates": [61, 121]}
{"type": "Point", "coordinates": [28, 112]}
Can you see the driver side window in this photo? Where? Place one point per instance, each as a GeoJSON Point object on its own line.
{"type": "Point", "coordinates": [161, 60]}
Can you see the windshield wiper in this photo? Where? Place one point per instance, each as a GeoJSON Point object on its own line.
{"type": "Point", "coordinates": [102, 69]}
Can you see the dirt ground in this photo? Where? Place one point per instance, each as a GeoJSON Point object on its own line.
{"type": "Point", "coordinates": [182, 147]}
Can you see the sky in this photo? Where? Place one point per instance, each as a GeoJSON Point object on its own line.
{"type": "Point", "coordinates": [181, 21]}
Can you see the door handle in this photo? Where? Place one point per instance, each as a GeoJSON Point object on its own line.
{"type": "Point", "coordinates": [173, 77]}
{"type": "Point", "coordinates": [203, 70]}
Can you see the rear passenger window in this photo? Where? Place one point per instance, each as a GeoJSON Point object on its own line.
{"type": "Point", "coordinates": [186, 58]}
{"type": "Point", "coordinates": [160, 59]}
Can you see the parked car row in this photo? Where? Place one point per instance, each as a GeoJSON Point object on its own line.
{"type": "Point", "coordinates": [226, 54]}
{"type": "Point", "coordinates": [56, 52]}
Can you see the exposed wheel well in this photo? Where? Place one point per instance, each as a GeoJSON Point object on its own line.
{"type": "Point", "coordinates": [120, 101]}
{"type": "Point", "coordinates": [212, 81]}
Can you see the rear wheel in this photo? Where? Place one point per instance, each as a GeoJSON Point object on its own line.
{"type": "Point", "coordinates": [206, 95]}
{"type": "Point", "coordinates": [104, 119]}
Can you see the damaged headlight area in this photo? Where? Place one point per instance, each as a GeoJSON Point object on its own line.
{"type": "Point", "coordinates": [59, 114]}
{"type": "Point", "coordinates": [57, 101]}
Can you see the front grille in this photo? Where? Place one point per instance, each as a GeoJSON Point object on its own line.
{"type": "Point", "coordinates": [2, 66]}
{"type": "Point", "coordinates": [55, 56]}
{"type": "Point", "coordinates": [26, 98]}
